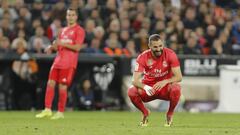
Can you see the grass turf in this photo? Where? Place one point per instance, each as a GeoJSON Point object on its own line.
{"type": "Point", "coordinates": [118, 123]}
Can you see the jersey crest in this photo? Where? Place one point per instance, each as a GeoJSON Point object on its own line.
{"type": "Point", "coordinates": [165, 64]}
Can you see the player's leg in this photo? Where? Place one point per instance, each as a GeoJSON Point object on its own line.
{"type": "Point", "coordinates": [138, 96]}
{"type": "Point", "coordinates": [174, 96]}
{"type": "Point", "coordinates": [62, 99]}
{"type": "Point", "coordinates": [49, 95]}
{"type": "Point", "coordinates": [66, 76]}
{"type": "Point", "coordinates": [171, 93]}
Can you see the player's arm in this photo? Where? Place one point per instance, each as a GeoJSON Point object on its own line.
{"type": "Point", "coordinates": [137, 82]}
{"type": "Point", "coordinates": [177, 75]}
{"type": "Point", "coordinates": [51, 48]}
{"type": "Point", "coordinates": [75, 47]}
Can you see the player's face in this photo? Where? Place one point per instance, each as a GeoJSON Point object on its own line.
{"type": "Point", "coordinates": [156, 47]}
{"type": "Point", "coordinates": [71, 17]}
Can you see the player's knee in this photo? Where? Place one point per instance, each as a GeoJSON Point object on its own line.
{"type": "Point", "coordinates": [62, 86]}
{"type": "Point", "coordinates": [175, 90]}
{"type": "Point", "coordinates": [51, 83]}
{"type": "Point", "coordinates": [132, 91]}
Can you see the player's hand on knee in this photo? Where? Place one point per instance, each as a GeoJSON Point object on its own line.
{"type": "Point", "coordinates": [149, 90]}
{"type": "Point", "coordinates": [159, 85]}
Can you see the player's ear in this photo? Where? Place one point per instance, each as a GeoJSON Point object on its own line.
{"type": "Point", "coordinates": [149, 44]}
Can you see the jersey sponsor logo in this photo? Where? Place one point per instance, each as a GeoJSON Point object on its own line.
{"type": "Point", "coordinates": [67, 41]}
{"type": "Point", "coordinates": [157, 73]}
{"type": "Point", "coordinates": [165, 64]}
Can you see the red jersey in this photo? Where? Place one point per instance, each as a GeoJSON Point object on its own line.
{"type": "Point", "coordinates": [156, 69]}
{"type": "Point", "coordinates": [67, 58]}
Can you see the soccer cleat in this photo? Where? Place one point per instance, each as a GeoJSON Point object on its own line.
{"type": "Point", "coordinates": [144, 122]}
{"type": "Point", "coordinates": [58, 115]}
{"type": "Point", "coordinates": [167, 124]}
{"type": "Point", "coordinates": [44, 113]}
{"type": "Point", "coordinates": [168, 121]}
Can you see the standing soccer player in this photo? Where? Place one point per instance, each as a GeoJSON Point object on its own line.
{"type": "Point", "coordinates": [62, 71]}
{"type": "Point", "coordinates": [161, 72]}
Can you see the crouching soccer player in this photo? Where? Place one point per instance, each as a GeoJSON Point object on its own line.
{"type": "Point", "coordinates": [161, 73]}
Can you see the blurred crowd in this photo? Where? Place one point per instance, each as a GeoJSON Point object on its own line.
{"type": "Point", "coordinates": [122, 27]}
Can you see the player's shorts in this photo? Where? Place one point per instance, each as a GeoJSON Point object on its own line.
{"type": "Point", "coordinates": [163, 94]}
{"type": "Point", "coordinates": [64, 76]}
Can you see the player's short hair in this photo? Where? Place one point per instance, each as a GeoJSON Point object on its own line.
{"type": "Point", "coordinates": [73, 9]}
{"type": "Point", "coordinates": [154, 37]}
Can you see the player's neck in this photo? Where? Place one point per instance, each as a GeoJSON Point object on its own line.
{"type": "Point", "coordinates": [71, 25]}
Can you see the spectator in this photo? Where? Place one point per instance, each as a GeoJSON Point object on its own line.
{"type": "Point", "coordinates": [1, 34]}
{"type": "Point", "coordinates": [96, 17]}
{"type": "Point", "coordinates": [94, 47]}
{"type": "Point", "coordinates": [141, 41]}
{"type": "Point", "coordinates": [236, 31]}
{"type": "Point", "coordinates": [129, 50]}
{"type": "Point", "coordinates": [114, 26]}
{"type": "Point", "coordinates": [112, 48]}
{"type": "Point", "coordinates": [90, 26]}
{"type": "Point", "coordinates": [177, 19]}
{"type": "Point", "coordinates": [38, 42]}
{"type": "Point", "coordinates": [210, 36]}
{"type": "Point", "coordinates": [217, 48]}
{"type": "Point", "coordinates": [24, 79]}
{"type": "Point", "coordinates": [19, 46]}
{"type": "Point", "coordinates": [192, 46]}
{"type": "Point", "coordinates": [46, 17]}
{"type": "Point", "coordinates": [5, 45]}
{"type": "Point", "coordinates": [124, 37]}
{"type": "Point", "coordinates": [189, 21]}
{"type": "Point", "coordinates": [53, 29]}
{"type": "Point", "coordinates": [25, 14]}
{"type": "Point", "coordinates": [137, 22]}
{"type": "Point", "coordinates": [21, 37]}
{"type": "Point", "coordinates": [5, 7]}
{"type": "Point", "coordinates": [125, 25]}
{"type": "Point", "coordinates": [86, 96]}
{"type": "Point", "coordinates": [36, 9]}
{"type": "Point", "coordinates": [59, 11]}
{"type": "Point", "coordinates": [108, 9]}
{"type": "Point", "coordinates": [6, 28]}
{"type": "Point", "coordinates": [225, 41]}
{"type": "Point", "coordinates": [90, 5]}
{"type": "Point", "coordinates": [35, 23]}
{"type": "Point", "coordinates": [99, 33]}
{"type": "Point", "coordinates": [21, 25]}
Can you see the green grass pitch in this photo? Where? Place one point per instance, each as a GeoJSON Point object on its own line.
{"type": "Point", "coordinates": [118, 123]}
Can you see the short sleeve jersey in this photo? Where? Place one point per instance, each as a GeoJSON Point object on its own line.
{"type": "Point", "coordinates": [156, 69]}
{"type": "Point", "coordinates": [67, 58]}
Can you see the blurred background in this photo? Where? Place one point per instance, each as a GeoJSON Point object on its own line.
{"type": "Point", "coordinates": [204, 33]}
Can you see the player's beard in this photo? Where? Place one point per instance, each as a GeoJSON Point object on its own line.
{"type": "Point", "coordinates": [71, 22]}
{"type": "Point", "coordinates": [157, 53]}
